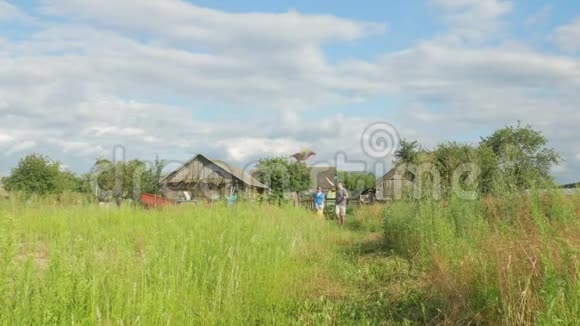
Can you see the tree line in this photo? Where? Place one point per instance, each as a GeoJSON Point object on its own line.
{"type": "Point", "coordinates": [39, 174]}
{"type": "Point", "coordinates": [513, 158]}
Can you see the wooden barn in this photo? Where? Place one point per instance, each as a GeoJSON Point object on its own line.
{"type": "Point", "coordinates": [202, 177]}
{"type": "Point", "coordinates": [390, 186]}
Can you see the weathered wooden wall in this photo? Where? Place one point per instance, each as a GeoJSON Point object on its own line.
{"type": "Point", "coordinates": [202, 178]}
{"type": "Point", "coordinates": [389, 189]}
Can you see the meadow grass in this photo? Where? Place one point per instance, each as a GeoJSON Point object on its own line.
{"type": "Point", "coordinates": [179, 265]}
{"type": "Point", "coordinates": [512, 260]}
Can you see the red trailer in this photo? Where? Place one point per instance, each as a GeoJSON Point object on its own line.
{"type": "Point", "coordinates": [154, 201]}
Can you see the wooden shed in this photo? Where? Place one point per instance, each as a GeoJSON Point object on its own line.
{"type": "Point", "coordinates": [202, 177]}
{"type": "Point", "coordinates": [391, 185]}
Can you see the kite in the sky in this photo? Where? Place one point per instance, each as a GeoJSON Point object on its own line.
{"type": "Point", "coordinates": [303, 155]}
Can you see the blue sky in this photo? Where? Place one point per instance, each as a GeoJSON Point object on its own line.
{"type": "Point", "coordinates": [240, 80]}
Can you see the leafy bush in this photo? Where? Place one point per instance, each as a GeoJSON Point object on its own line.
{"type": "Point", "coordinates": [125, 180]}
{"type": "Point", "coordinates": [511, 159]}
{"type": "Point", "coordinates": [282, 176]}
{"type": "Point", "coordinates": [39, 174]}
{"type": "Point", "coordinates": [357, 182]}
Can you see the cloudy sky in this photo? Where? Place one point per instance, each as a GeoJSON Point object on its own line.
{"type": "Point", "coordinates": [243, 79]}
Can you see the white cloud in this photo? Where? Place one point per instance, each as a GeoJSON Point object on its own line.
{"type": "Point", "coordinates": [460, 93]}
{"type": "Point", "coordinates": [180, 21]}
{"type": "Point", "coordinates": [244, 148]}
{"type": "Point", "coordinates": [473, 20]}
{"type": "Point", "coordinates": [8, 11]}
{"type": "Point", "coordinates": [78, 148]}
{"type": "Point", "coordinates": [251, 58]}
{"type": "Point", "coordinates": [560, 168]}
{"type": "Point", "coordinates": [151, 139]}
{"type": "Point", "coordinates": [481, 8]}
{"type": "Point", "coordinates": [5, 139]}
{"type": "Point", "coordinates": [147, 75]}
{"type": "Point", "coordinates": [113, 131]}
{"type": "Point", "coordinates": [272, 61]}
{"type": "Point", "coordinates": [568, 36]}
{"type": "Point", "coordinates": [118, 65]}
{"type": "Point", "coordinates": [423, 115]}
{"type": "Point", "coordinates": [11, 14]}
{"type": "Point", "coordinates": [20, 147]}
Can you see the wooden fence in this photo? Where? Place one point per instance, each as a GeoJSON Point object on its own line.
{"type": "Point", "coordinates": [310, 204]}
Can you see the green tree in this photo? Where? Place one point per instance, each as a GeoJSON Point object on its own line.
{"type": "Point", "coordinates": [41, 175]}
{"type": "Point", "coordinates": [84, 184]}
{"type": "Point", "coordinates": [283, 175]}
{"type": "Point", "coordinates": [447, 157]}
{"type": "Point", "coordinates": [71, 182]}
{"type": "Point", "coordinates": [453, 159]}
{"type": "Point", "coordinates": [127, 180]}
{"type": "Point", "coordinates": [356, 182]}
{"type": "Point", "coordinates": [524, 159]}
{"type": "Point", "coordinates": [408, 152]}
{"type": "Point", "coordinates": [299, 176]}
{"type": "Point", "coordinates": [103, 176]}
{"type": "Point", "coordinates": [489, 169]}
{"type": "Point", "coordinates": [151, 179]}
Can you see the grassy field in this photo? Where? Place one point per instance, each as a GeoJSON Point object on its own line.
{"type": "Point", "coordinates": [509, 261]}
{"type": "Point", "coordinates": [513, 260]}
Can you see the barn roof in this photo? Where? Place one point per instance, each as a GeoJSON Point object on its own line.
{"type": "Point", "coordinates": [227, 168]}
{"type": "Point", "coordinates": [239, 173]}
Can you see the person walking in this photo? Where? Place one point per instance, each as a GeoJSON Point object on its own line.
{"type": "Point", "coordinates": [341, 198]}
{"type": "Point", "coordinates": [233, 198]}
{"type": "Point", "coordinates": [319, 198]}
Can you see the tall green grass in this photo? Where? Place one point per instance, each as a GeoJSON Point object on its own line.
{"type": "Point", "coordinates": [509, 260]}
{"type": "Point", "coordinates": [204, 265]}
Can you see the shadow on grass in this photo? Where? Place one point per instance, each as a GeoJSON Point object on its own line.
{"type": "Point", "coordinates": [372, 245]}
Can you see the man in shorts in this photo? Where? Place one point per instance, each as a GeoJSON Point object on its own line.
{"type": "Point", "coordinates": [319, 201]}
{"type": "Point", "coordinates": [341, 197]}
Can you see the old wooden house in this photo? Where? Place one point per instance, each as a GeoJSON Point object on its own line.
{"type": "Point", "coordinates": [202, 177]}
